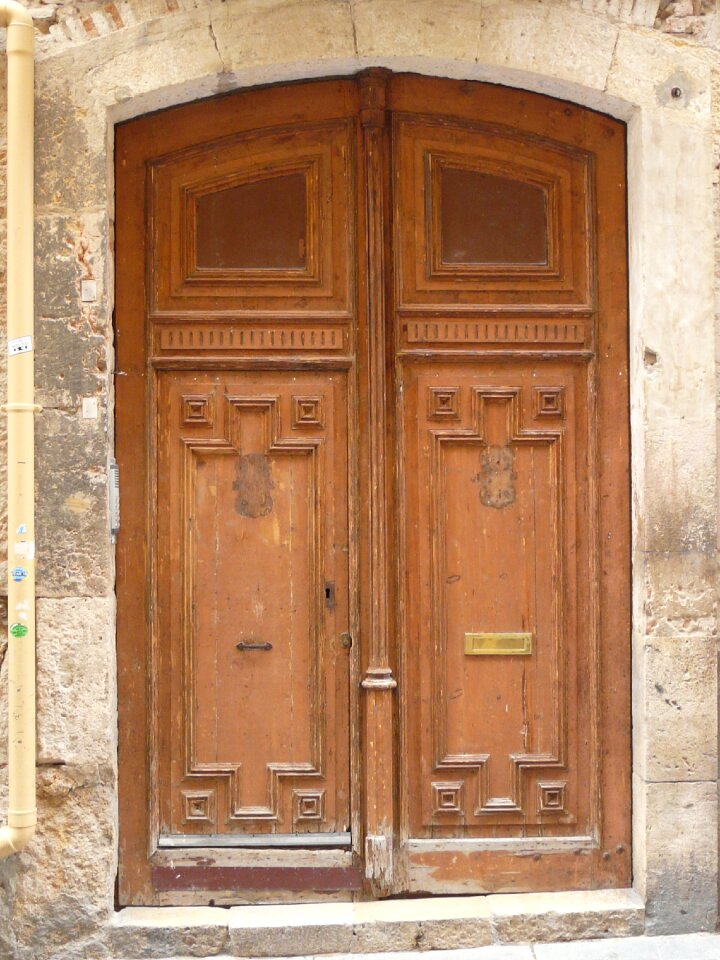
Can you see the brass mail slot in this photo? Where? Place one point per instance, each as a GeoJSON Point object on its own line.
{"type": "Point", "coordinates": [498, 644]}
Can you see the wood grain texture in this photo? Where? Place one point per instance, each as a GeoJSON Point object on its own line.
{"type": "Point", "coordinates": [336, 469]}
{"type": "Point", "coordinates": [229, 481]}
{"type": "Point", "coordinates": [249, 474]}
{"type": "Point", "coordinates": [504, 457]}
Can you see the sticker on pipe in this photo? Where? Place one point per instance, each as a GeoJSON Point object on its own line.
{"type": "Point", "coordinates": [19, 630]}
{"type": "Point", "coordinates": [19, 345]}
{"type": "Point", "coordinates": [18, 574]}
{"type": "Point", "coordinates": [25, 548]}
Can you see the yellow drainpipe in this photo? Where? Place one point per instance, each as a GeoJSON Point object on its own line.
{"type": "Point", "coordinates": [22, 812]}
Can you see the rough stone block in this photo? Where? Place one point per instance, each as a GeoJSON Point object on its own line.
{"type": "Point", "coordinates": [681, 594]}
{"type": "Point", "coordinates": [59, 890]}
{"type": "Point", "coordinates": [566, 916]}
{"type": "Point", "coordinates": [139, 59]}
{"type": "Point", "coordinates": [68, 174]}
{"type": "Point", "coordinates": [75, 683]}
{"type": "Point", "coordinates": [68, 250]}
{"type": "Point", "coordinates": [283, 31]}
{"type": "Point", "coordinates": [73, 542]}
{"type": "Point", "coordinates": [360, 928]}
{"type": "Point", "coordinates": [645, 70]}
{"type": "Point", "coordinates": [169, 931]}
{"type": "Point", "coordinates": [681, 856]}
{"type": "Point", "coordinates": [71, 362]}
{"type": "Point", "coordinates": [390, 27]}
{"type": "Point", "coordinates": [75, 689]}
{"type": "Point", "coordinates": [679, 717]}
{"type": "Point", "coordinates": [534, 38]}
{"type": "Point", "coordinates": [680, 471]}
{"type": "Point", "coordinates": [671, 296]}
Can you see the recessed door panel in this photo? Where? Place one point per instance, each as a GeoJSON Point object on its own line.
{"type": "Point", "coordinates": [498, 529]}
{"type": "Point", "coordinates": [498, 217]}
{"type": "Point", "coordinates": [254, 600]}
{"type": "Point", "coordinates": [259, 221]}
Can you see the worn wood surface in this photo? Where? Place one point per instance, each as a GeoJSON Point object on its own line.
{"type": "Point", "coordinates": [398, 417]}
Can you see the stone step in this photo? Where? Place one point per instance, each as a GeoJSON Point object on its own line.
{"type": "Point", "coordinates": [438, 924]}
{"type": "Point", "coordinates": [694, 946]}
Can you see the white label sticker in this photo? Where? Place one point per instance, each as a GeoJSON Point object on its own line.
{"type": "Point", "coordinates": [19, 345]}
{"type": "Point", "coordinates": [25, 548]}
{"type": "Point", "coordinates": [88, 291]}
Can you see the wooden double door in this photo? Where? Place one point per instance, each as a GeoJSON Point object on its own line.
{"type": "Point", "coordinates": [372, 425]}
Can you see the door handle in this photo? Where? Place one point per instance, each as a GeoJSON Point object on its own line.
{"type": "Point", "coordinates": [244, 645]}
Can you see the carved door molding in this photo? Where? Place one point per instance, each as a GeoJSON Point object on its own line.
{"type": "Point", "coordinates": [372, 421]}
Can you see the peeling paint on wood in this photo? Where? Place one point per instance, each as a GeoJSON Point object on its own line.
{"type": "Point", "coordinates": [497, 476]}
{"type": "Point", "coordinates": [253, 485]}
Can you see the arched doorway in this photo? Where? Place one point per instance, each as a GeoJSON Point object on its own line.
{"type": "Point", "coordinates": [374, 428]}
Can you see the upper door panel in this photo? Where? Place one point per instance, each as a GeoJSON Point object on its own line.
{"type": "Point", "coordinates": [260, 221]}
{"type": "Point", "coordinates": [498, 218]}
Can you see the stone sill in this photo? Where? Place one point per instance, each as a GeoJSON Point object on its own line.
{"type": "Point", "coordinates": [438, 923]}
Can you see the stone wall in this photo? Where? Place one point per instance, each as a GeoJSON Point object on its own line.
{"type": "Point", "coordinates": [99, 63]}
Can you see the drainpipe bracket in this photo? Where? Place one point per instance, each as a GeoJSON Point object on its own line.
{"type": "Point", "coordinates": [21, 407]}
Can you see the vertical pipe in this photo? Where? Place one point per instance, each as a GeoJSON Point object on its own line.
{"type": "Point", "coordinates": [22, 812]}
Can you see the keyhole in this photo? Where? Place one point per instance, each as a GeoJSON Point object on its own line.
{"type": "Point", "coordinates": [330, 595]}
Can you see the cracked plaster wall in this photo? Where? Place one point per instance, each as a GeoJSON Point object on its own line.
{"type": "Point", "coordinates": [102, 62]}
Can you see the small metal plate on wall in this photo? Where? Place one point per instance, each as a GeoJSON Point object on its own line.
{"type": "Point", "coordinates": [498, 644]}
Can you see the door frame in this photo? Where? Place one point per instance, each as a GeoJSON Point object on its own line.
{"type": "Point", "coordinates": [661, 133]}
{"type": "Point", "coordinates": [376, 835]}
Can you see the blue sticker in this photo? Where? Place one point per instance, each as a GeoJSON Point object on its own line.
{"type": "Point", "coordinates": [22, 528]}
{"type": "Point", "coordinates": [18, 574]}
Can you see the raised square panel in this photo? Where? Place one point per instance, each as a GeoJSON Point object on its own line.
{"type": "Point", "coordinates": [443, 403]}
{"type": "Point", "coordinates": [549, 401]}
{"type": "Point", "coordinates": [447, 797]}
{"type": "Point", "coordinates": [307, 412]}
{"type": "Point", "coordinates": [308, 806]}
{"type": "Point", "coordinates": [197, 410]}
{"type": "Point", "coordinates": [199, 806]}
{"type": "Point", "coordinates": [551, 796]}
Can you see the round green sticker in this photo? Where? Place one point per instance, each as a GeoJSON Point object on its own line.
{"type": "Point", "coordinates": [18, 630]}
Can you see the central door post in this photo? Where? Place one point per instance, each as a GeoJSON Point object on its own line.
{"type": "Point", "coordinates": [378, 681]}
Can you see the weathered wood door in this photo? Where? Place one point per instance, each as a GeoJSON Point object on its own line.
{"type": "Point", "coordinates": [373, 574]}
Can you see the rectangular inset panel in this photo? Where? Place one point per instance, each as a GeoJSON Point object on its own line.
{"type": "Point", "coordinates": [253, 526]}
{"type": "Point", "coordinates": [261, 225]}
{"type": "Point", "coordinates": [496, 529]}
{"type": "Point", "coordinates": [484, 216]}
{"type": "Point", "coordinates": [226, 339]}
{"type": "Point", "coordinates": [454, 334]}
{"type": "Point", "coordinates": [261, 221]}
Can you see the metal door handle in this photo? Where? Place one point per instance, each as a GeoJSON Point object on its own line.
{"type": "Point", "coordinates": [243, 645]}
